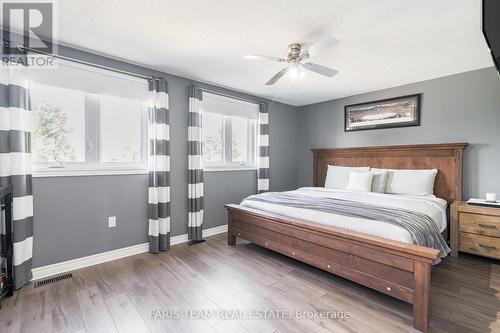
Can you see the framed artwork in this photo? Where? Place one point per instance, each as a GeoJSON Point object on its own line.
{"type": "Point", "coordinates": [400, 111]}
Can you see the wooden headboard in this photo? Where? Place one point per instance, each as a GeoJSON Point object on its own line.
{"type": "Point", "coordinates": [447, 158]}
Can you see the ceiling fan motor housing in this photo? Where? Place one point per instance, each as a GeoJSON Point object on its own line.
{"type": "Point", "coordinates": [293, 52]}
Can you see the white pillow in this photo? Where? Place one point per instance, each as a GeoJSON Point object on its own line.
{"type": "Point", "coordinates": [413, 182]}
{"type": "Point", "coordinates": [379, 180]}
{"type": "Point", "coordinates": [360, 181]}
{"type": "Point", "coordinates": [337, 177]}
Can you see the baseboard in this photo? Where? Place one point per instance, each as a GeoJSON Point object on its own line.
{"type": "Point", "coordinates": [71, 265]}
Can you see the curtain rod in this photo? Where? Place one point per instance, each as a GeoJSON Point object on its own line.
{"type": "Point", "coordinates": [230, 96]}
{"type": "Point", "coordinates": [86, 63]}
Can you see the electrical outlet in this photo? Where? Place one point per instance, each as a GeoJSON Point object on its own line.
{"type": "Point", "coordinates": [112, 222]}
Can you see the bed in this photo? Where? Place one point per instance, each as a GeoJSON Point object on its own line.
{"type": "Point", "coordinates": [392, 265]}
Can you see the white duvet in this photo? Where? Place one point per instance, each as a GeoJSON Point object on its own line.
{"type": "Point", "coordinates": [431, 206]}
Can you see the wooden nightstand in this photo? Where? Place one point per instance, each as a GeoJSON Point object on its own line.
{"type": "Point", "coordinates": [475, 230]}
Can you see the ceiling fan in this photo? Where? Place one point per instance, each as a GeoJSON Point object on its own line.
{"type": "Point", "coordinates": [295, 60]}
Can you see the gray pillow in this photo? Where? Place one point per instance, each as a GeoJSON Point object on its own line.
{"type": "Point", "coordinates": [379, 180]}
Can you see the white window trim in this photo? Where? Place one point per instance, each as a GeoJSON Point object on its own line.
{"type": "Point", "coordinates": [228, 107]}
{"type": "Point", "coordinates": [218, 169]}
{"type": "Point", "coordinates": [93, 166]}
{"type": "Point", "coordinates": [226, 153]}
{"type": "Point", "coordinates": [57, 172]}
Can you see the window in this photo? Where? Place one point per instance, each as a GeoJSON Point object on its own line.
{"type": "Point", "coordinates": [229, 132]}
{"type": "Point", "coordinates": [59, 132]}
{"type": "Point", "coordinates": [213, 130]}
{"type": "Point", "coordinates": [121, 121]}
{"type": "Point", "coordinates": [88, 120]}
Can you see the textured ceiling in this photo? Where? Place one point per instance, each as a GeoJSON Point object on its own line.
{"type": "Point", "coordinates": [382, 43]}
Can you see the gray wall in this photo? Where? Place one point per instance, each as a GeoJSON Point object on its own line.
{"type": "Point", "coordinates": [458, 108]}
{"type": "Point", "coordinates": [71, 213]}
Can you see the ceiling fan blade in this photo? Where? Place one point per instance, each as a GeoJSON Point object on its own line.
{"type": "Point", "coordinates": [277, 76]}
{"type": "Point", "coordinates": [314, 49]}
{"type": "Point", "coordinates": [259, 57]}
{"type": "Point", "coordinates": [326, 71]}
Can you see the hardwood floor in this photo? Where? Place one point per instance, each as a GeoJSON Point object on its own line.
{"type": "Point", "coordinates": [120, 296]}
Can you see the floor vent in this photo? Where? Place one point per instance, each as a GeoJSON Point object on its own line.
{"type": "Point", "coordinates": [53, 279]}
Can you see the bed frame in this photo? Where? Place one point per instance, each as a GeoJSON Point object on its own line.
{"type": "Point", "coordinates": [397, 269]}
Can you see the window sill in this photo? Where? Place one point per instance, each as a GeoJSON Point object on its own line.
{"type": "Point", "coordinates": [229, 169]}
{"type": "Point", "coordinates": [77, 173]}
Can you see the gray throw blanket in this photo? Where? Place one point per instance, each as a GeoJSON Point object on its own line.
{"type": "Point", "coordinates": [423, 230]}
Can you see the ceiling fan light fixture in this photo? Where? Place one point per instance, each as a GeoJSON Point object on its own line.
{"type": "Point", "coordinates": [296, 72]}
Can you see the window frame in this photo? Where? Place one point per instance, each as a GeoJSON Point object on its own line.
{"type": "Point", "coordinates": [227, 164]}
{"type": "Point", "coordinates": [93, 164]}
{"type": "Point", "coordinates": [143, 165]}
{"type": "Point", "coordinates": [251, 139]}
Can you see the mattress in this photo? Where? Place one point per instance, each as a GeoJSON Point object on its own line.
{"type": "Point", "coordinates": [431, 206]}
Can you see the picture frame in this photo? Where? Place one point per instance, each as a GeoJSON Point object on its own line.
{"type": "Point", "coordinates": [402, 111]}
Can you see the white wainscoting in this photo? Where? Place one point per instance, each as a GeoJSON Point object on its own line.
{"type": "Point", "coordinates": [74, 264]}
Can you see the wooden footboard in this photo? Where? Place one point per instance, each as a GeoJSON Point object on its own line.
{"type": "Point", "coordinates": [397, 269]}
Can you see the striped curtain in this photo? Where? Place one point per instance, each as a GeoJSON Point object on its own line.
{"type": "Point", "coordinates": [195, 168]}
{"type": "Point", "coordinates": [15, 164]}
{"type": "Point", "coordinates": [263, 158]}
{"type": "Point", "coordinates": [159, 167]}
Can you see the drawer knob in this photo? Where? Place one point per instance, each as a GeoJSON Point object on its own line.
{"type": "Point", "coordinates": [388, 288]}
{"type": "Point", "coordinates": [487, 226]}
{"type": "Point", "coordinates": [489, 247]}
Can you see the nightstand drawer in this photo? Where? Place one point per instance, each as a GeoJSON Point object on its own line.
{"type": "Point", "coordinates": [481, 245]}
{"type": "Point", "coordinates": [480, 224]}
